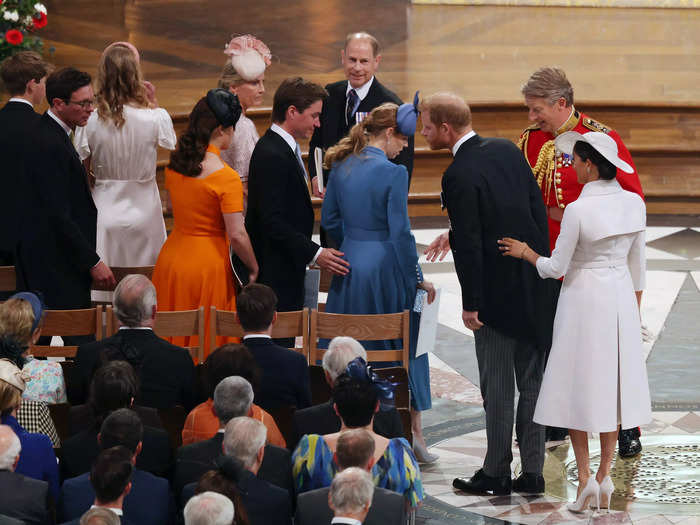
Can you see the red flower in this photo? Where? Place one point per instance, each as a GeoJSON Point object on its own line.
{"type": "Point", "coordinates": [14, 37]}
{"type": "Point", "coordinates": [40, 20]}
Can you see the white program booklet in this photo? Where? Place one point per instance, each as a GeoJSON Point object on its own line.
{"type": "Point", "coordinates": [318, 159]}
{"type": "Point", "coordinates": [427, 331]}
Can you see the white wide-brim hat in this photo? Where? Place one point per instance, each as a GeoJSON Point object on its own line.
{"type": "Point", "coordinates": [601, 142]}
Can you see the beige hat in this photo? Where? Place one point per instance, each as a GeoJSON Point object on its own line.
{"type": "Point", "coordinates": [602, 142]}
{"type": "Point", "coordinates": [10, 373]}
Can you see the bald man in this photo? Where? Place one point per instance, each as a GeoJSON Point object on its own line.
{"type": "Point", "coordinates": [490, 193]}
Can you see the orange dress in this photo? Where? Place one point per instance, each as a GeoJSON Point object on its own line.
{"type": "Point", "coordinates": [193, 267]}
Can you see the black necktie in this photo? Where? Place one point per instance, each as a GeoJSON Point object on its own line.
{"type": "Point", "coordinates": [350, 107]}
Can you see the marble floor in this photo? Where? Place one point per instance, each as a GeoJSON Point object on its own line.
{"type": "Point", "coordinates": [660, 486]}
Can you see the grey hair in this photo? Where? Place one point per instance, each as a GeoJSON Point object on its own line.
{"type": "Point", "coordinates": [100, 516]}
{"type": "Point", "coordinates": [351, 490]}
{"type": "Point", "coordinates": [10, 447]}
{"type": "Point", "coordinates": [243, 439]}
{"type": "Point", "coordinates": [549, 83]}
{"type": "Point", "coordinates": [233, 397]}
{"type": "Point", "coordinates": [209, 508]}
{"type": "Point", "coordinates": [341, 350]}
{"type": "Point", "coordinates": [134, 299]}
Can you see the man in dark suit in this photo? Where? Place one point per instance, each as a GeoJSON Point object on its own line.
{"type": "Point", "coordinates": [233, 397]}
{"type": "Point", "coordinates": [149, 501]}
{"type": "Point", "coordinates": [322, 419]}
{"type": "Point", "coordinates": [490, 193]}
{"type": "Point", "coordinates": [57, 242]}
{"type": "Point", "coordinates": [285, 373]}
{"type": "Point", "coordinates": [23, 498]}
{"type": "Point", "coordinates": [166, 371]}
{"type": "Point", "coordinates": [355, 448]}
{"type": "Point", "coordinates": [24, 77]}
{"type": "Point", "coordinates": [350, 496]}
{"type": "Point", "coordinates": [280, 218]}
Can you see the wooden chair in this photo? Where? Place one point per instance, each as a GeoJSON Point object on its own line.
{"type": "Point", "coordinates": [288, 324]}
{"type": "Point", "coordinates": [399, 376]}
{"type": "Point", "coordinates": [122, 271]}
{"type": "Point", "coordinates": [362, 328]}
{"type": "Point", "coordinates": [8, 279]}
{"type": "Point", "coordinates": [324, 286]}
{"type": "Point", "coordinates": [173, 420]}
{"type": "Point", "coordinates": [172, 324]}
{"type": "Point", "coordinates": [87, 321]}
{"type": "Point", "coordinates": [60, 417]}
{"type": "Point", "coordinates": [320, 391]}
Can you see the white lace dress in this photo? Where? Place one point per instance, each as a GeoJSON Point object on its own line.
{"type": "Point", "coordinates": [242, 145]}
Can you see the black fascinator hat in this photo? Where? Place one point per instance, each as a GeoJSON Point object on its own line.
{"type": "Point", "coordinates": [225, 106]}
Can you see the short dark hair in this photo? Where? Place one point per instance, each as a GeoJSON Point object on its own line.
{"type": "Point", "coordinates": [122, 427]}
{"type": "Point", "coordinates": [356, 400]}
{"type": "Point", "coordinates": [17, 70]}
{"type": "Point", "coordinates": [111, 473]}
{"type": "Point", "coordinates": [113, 386]}
{"type": "Point", "coordinates": [64, 82]}
{"type": "Point", "coordinates": [297, 92]}
{"type": "Point", "coordinates": [606, 169]}
{"type": "Point", "coordinates": [256, 304]}
{"type": "Point", "coordinates": [231, 360]}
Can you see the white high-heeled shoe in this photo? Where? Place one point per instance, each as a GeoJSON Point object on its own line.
{"type": "Point", "coordinates": [591, 490]}
{"type": "Point", "coordinates": [607, 487]}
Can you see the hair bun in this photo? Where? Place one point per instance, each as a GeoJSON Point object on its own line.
{"type": "Point", "coordinates": [225, 106]}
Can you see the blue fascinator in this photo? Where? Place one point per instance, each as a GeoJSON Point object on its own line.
{"type": "Point", "coordinates": [407, 116]}
{"type": "Point", "coordinates": [36, 303]}
{"type": "Point", "coordinates": [359, 369]}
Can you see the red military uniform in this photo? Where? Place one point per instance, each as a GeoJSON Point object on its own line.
{"type": "Point", "coordinates": [554, 171]}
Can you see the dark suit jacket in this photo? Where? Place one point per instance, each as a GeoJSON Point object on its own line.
{"type": "Point", "coordinates": [57, 246]}
{"type": "Point", "coordinates": [321, 419]}
{"type": "Point", "coordinates": [280, 219]}
{"type": "Point", "coordinates": [166, 371]}
{"type": "Point", "coordinates": [16, 122]}
{"type": "Point", "coordinates": [490, 193]}
{"type": "Point", "coordinates": [333, 127]}
{"type": "Point", "coordinates": [388, 508]}
{"type": "Point", "coordinates": [149, 501]}
{"type": "Point", "coordinates": [79, 451]}
{"type": "Point", "coordinates": [196, 459]}
{"type": "Point", "coordinates": [81, 417]}
{"type": "Point", "coordinates": [24, 498]}
{"type": "Point", "coordinates": [285, 374]}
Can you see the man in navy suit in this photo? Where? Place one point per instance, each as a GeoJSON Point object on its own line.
{"type": "Point", "coordinates": [285, 373]}
{"type": "Point", "coordinates": [149, 501]}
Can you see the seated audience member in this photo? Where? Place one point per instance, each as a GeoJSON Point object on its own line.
{"type": "Point", "coordinates": [209, 508]}
{"type": "Point", "coordinates": [356, 400]}
{"type": "Point", "coordinates": [224, 480]}
{"type": "Point", "coordinates": [244, 442]}
{"type": "Point", "coordinates": [350, 496]}
{"type": "Point", "coordinates": [23, 498]}
{"type": "Point", "coordinates": [355, 449]}
{"type": "Point", "coordinates": [114, 386]}
{"type": "Point", "coordinates": [110, 478]}
{"type": "Point", "coordinates": [100, 516]}
{"type": "Point", "coordinates": [165, 371]}
{"type": "Point", "coordinates": [37, 459]}
{"type": "Point", "coordinates": [233, 397]}
{"type": "Point", "coordinates": [150, 500]}
{"type": "Point", "coordinates": [285, 373]}
{"type": "Point", "coordinates": [322, 419]}
{"type": "Point", "coordinates": [229, 360]}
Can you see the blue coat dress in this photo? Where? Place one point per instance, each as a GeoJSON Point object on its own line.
{"type": "Point", "coordinates": [365, 211]}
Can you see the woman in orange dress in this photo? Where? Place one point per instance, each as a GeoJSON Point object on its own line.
{"type": "Point", "coordinates": [193, 267]}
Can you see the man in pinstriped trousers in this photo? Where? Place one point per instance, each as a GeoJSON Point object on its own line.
{"type": "Point", "coordinates": [489, 193]}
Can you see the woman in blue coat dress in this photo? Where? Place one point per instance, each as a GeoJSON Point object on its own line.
{"type": "Point", "coordinates": [365, 210]}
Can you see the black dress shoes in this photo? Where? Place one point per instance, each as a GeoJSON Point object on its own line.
{"type": "Point", "coordinates": [529, 483]}
{"type": "Point", "coordinates": [480, 483]}
{"type": "Point", "coordinates": [628, 443]}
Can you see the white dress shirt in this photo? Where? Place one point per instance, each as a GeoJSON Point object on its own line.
{"type": "Point", "coordinates": [65, 126]}
{"type": "Point", "coordinates": [362, 90]}
{"type": "Point", "coordinates": [461, 141]}
{"type": "Point", "coordinates": [346, 521]}
{"type": "Point", "coordinates": [20, 99]}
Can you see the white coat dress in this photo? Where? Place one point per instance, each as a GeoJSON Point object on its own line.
{"type": "Point", "coordinates": [596, 376]}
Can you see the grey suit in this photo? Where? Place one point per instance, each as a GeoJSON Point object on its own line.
{"type": "Point", "coordinates": [388, 508]}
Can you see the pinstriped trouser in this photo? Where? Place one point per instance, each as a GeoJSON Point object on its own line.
{"type": "Point", "coordinates": [500, 358]}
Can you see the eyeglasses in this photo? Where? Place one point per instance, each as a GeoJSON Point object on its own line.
{"type": "Point", "coordinates": [89, 103]}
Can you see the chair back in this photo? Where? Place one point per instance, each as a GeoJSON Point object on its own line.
{"type": "Point", "coordinates": [324, 286]}
{"type": "Point", "coordinates": [362, 328]}
{"type": "Point", "coordinates": [60, 417]}
{"type": "Point", "coordinates": [122, 271]}
{"type": "Point", "coordinates": [320, 390]}
{"type": "Point", "coordinates": [86, 321]}
{"type": "Point", "coordinates": [288, 324]}
{"type": "Point", "coordinates": [8, 279]}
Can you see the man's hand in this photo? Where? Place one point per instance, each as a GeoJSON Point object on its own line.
{"type": "Point", "coordinates": [314, 188]}
{"type": "Point", "coordinates": [439, 247]}
{"type": "Point", "coordinates": [471, 320]}
{"type": "Point", "coordinates": [330, 259]}
{"type": "Point", "coordinates": [103, 276]}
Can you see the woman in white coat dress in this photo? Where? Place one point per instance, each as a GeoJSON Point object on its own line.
{"type": "Point", "coordinates": [596, 376]}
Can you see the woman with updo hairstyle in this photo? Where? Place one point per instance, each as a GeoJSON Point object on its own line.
{"type": "Point", "coordinates": [365, 211]}
{"type": "Point", "coordinates": [119, 145]}
{"type": "Point", "coordinates": [193, 267]}
{"type": "Point", "coordinates": [244, 75]}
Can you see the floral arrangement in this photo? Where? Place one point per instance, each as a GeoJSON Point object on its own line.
{"type": "Point", "coordinates": [19, 19]}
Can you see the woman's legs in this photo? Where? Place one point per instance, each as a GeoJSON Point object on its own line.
{"type": "Point", "coordinates": [579, 440]}
{"type": "Point", "coordinates": [607, 453]}
{"type": "Point", "coordinates": [420, 448]}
